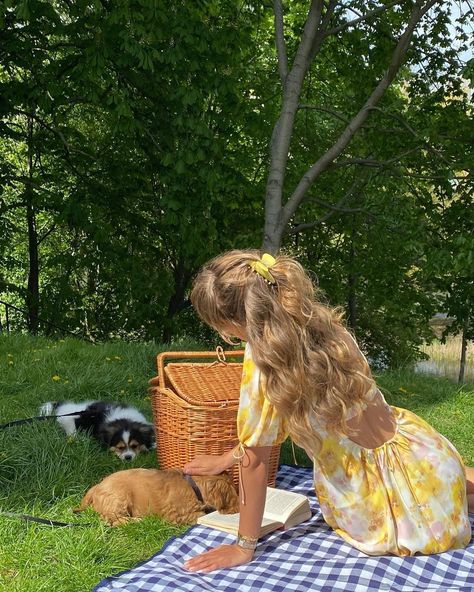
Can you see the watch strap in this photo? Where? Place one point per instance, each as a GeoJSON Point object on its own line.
{"type": "Point", "coordinates": [246, 542]}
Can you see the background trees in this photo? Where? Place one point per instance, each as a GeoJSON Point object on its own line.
{"type": "Point", "coordinates": [123, 127]}
{"type": "Point", "coordinates": [138, 139]}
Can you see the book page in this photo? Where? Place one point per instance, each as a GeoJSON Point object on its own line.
{"type": "Point", "coordinates": [298, 517]}
{"type": "Point", "coordinates": [280, 504]}
{"type": "Point", "coordinates": [230, 522]}
{"type": "Point", "coordinates": [282, 509]}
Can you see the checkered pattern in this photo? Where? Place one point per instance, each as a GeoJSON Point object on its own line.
{"type": "Point", "coordinates": [308, 557]}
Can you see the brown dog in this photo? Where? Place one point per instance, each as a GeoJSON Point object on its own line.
{"type": "Point", "coordinates": [135, 493]}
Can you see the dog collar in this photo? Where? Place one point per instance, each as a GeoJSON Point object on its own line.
{"type": "Point", "coordinates": [196, 489]}
{"type": "Point", "coordinates": [198, 493]}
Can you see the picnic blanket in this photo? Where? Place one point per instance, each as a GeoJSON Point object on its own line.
{"type": "Point", "coordinates": [307, 557]}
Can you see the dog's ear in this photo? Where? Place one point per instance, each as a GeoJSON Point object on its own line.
{"type": "Point", "coordinates": [148, 436]}
{"type": "Point", "coordinates": [105, 434]}
{"type": "Point", "coordinates": [219, 492]}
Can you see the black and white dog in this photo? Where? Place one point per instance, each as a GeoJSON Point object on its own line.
{"type": "Point", "coordinates": [121, 428]}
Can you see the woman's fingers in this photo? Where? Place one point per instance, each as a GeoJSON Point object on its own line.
{"type": "Point", "coordinates": [193, 467]}
{"type": "Point", "coordinates": [204, 465]}
{"type": "Point", "coordinates": [219, 558]}
{"type": "Point", "coordinates": [204, 562]}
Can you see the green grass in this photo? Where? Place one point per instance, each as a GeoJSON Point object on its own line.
{"type": "Point", "coordinates": [45, 474]}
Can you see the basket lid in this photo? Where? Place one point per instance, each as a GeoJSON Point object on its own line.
{"type": "Point", "coordinates": [206, 384]}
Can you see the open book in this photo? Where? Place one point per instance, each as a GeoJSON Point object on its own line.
{"type": "Point", "coordinates": [283, 509]}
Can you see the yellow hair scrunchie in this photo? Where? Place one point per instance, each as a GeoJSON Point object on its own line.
{"type": "Point", "coordinates": [262, 267]}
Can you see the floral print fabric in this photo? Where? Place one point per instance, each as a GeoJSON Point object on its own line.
{"type": "Point", "coordinates": [404, 497]}
{"type": "Point", "coordinates": [258, 423]}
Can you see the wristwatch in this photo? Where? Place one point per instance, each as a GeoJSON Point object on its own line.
{"type": "Point", "coordinates": [246, 542]}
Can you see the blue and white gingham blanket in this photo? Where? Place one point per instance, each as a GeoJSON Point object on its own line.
{"type": "Point", "coordinates": [307, 557]}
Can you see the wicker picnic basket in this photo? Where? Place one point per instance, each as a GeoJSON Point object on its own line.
{"type": "Point", "coordinates": [195, 408]}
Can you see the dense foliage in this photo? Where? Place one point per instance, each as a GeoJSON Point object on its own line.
{"type": "Point", "coordinates": [135, 139]}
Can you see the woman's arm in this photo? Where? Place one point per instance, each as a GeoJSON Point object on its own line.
{"type": "Point", "coordinates": [208, 464]}
{"type": "Point", "coordinates": [253, 490]}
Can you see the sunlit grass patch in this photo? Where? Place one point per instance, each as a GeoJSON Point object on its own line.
{"type": "Point", "coordinates": [45, 474]}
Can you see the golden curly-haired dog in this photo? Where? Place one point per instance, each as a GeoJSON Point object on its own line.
{"type": "Point", "coordinates": [135, 493]}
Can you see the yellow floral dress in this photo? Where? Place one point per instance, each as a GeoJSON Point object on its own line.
{"type": "Point", "coordinates": [407, 496]}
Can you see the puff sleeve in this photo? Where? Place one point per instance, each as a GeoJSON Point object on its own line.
{"type": "Point", "coordinates": [258, 423]}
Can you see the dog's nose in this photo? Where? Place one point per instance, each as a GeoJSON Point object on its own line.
{"type": "Point", "coordinates": [128, 456]}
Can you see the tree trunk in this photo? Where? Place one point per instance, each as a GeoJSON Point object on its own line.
{"type": "Point", "coordinates": [32, 293]}
{"type": "Point", "coordinates": [351, 282]}
{"type": "Point", "coordinates": [281, 137]}
{"type": "Point", "coordinates": [462, 365]}
{"type": "Point", "coordinates": [177, 301]}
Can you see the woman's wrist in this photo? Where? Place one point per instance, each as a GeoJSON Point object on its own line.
{"type": "Point", "coordinates": [246, 542]}
{"type": "Point", "coordinates": [247, 553]}
{"type": "Point", "coordinates": [229, 459]}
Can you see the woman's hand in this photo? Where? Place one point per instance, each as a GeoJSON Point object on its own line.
{"type": "Point", "coordinates": [208, 464]}
{"type": "Point", "coordinates": [219, 558]}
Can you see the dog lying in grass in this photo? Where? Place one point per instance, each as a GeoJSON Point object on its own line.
{"type": "Point", "coordinates": [135, 493]}
{"type": "Point", "coordinates": [120, 428]}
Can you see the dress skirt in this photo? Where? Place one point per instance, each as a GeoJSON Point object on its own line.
{"type": "Point", "coordinates": [404, 497]}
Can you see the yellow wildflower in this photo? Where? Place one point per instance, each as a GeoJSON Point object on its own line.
{"type": "Point", "coordinates": [56, 377]}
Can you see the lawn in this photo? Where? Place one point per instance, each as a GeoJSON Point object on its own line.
{"type": "Point", "coordinates": [45, 474]}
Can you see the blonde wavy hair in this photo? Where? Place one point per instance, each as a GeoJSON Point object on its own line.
{"type": "Point", "coordinates": [311, 364]}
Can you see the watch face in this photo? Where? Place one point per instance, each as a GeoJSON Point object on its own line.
{"type": "Point", "coordinates": [250, 544]}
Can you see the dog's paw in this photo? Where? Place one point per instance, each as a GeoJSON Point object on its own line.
{"type": "Point", "coordinates": [117, 521]}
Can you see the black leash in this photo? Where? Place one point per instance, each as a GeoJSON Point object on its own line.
{"type": "Point", "coordinates": [29, 518]}
{"type": "Point", "coordinates": [42, 418]}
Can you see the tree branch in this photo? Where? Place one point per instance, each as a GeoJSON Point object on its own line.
{"type": "Point", "coordinates": [337, 207]}
{"type": "Point", "coordinates": [55, 131]}
{"type": "Point", "coordinates": [46, 234]}
{"type": "Point", "coordinates": [364, 17]}
{"type": "Point", "coordinates": [413, 132]}
{"type": "Point", "coordinates": [280, 42]}
{"type": "Point", "coordinates": [372, 162]}
{"type": "Point", "coordinates": [309, 225]}
{"type": "Point", "coordinates": [333, 209]}
{"type": "Point", "coordinates": [332, 112]}
{"type": "Point", "coordinates": [395, 116]}
{"type": "Point", "coordinates": [11, 206]}
{"type": "Point", "coordinates": [318, 41]}
{"type": "Point", "coordinates": [356, 123]}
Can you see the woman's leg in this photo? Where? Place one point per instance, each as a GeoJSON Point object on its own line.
{"type": "Point", "coordinates": [470, 488]}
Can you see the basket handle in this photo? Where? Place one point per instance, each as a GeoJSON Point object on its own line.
{"type": "Point", "coordinates": [164, 357]}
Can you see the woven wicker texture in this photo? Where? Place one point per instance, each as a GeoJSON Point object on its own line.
{"type": "Point", "coordinates": [205, 384]}
{"type": "Point", "coordinates": [195, 408]}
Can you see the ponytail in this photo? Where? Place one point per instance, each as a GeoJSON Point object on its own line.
{"type": "Point", "coordinates": [312, 366]}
